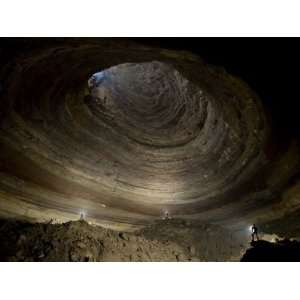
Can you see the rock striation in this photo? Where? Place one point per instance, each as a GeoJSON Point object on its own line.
{"type": "Point", "coordinates": [162, 131]}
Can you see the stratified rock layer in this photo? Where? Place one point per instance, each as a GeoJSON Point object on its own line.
{"type": "Point", "coordinates": [163, 131]}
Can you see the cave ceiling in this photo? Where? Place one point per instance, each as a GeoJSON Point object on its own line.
{"type": "Point", "coordinates": [160, 131]}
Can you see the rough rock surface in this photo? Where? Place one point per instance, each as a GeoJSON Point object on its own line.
{"type": "Point", "coordinates": [79, 241]}
{"type": "Point", "coordinates": [163, 132]}
{"type": "Point", "coordinates": [281, 250]}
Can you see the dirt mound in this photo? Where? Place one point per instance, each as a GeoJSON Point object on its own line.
{"type": "Point", "coordinates": [205, 242]}
{"type": "Point", "coordinates": [79, 241]}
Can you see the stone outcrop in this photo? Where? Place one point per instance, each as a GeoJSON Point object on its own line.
{"type": "Point", "coordinates": [282, 250]}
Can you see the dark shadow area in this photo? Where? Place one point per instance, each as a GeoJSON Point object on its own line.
{"type": "Point", "coordinates": [266, 64]}
{"type": "Point", "coordinates": [282, 250]}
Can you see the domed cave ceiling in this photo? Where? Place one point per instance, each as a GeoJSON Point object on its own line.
{"type": "Point", "coordinates": [158, 131]}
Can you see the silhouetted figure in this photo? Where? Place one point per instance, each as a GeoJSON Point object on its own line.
{"type": "Point", "coordinates": [166, 216]}
{"type": "Point", "coordinates": [254, 233]}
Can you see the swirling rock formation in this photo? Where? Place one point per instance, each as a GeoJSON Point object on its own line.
{"type": "Point", "coordinates": [160, 131]}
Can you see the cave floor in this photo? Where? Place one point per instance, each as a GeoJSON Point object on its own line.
{"type": "Point", "coordinates": [168, 240]}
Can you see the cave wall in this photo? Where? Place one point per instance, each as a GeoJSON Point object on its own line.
{"type": "Point", "coordinates": [172, 134]}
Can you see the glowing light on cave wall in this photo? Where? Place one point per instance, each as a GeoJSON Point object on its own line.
{"type": "Point", "coordinates": [95, 79]}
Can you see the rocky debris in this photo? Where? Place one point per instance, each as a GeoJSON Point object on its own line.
{"type": "Point", "coordinates": [281, 250]}
{"type": "Point", "coordinates": [123, 236]}
{"type": "Point", "coordinates": [201, 242]}
{"type": "Point", "coordinates": [171, 240]}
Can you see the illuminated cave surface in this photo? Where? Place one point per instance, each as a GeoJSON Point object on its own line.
{"type": "Point", "coordinates": [160, 131]}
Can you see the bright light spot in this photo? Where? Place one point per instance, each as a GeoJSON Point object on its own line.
{"type": "Point", "coordinates": [166, 215]}
{"type": "Point", "coordinates": [95, 79]}
{"type": "Point", "coordinates": [82, 215]}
